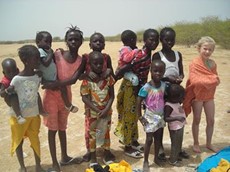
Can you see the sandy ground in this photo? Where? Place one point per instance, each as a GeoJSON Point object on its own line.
{"type": "Point", "coordinates": [75, 132]}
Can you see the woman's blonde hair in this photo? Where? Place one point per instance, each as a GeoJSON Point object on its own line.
{"type": "Point", "coordinates": [205, 39]}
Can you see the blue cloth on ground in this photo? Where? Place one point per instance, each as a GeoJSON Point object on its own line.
{"type": "Point", "coordinates": [213, 160]}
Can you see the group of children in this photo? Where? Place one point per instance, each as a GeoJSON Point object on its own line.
{"type": "Point", "coordinates": [160, 99]}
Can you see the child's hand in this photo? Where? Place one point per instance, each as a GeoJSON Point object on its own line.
{"type": "Point", "coordinates": [10, 90]}
{"type": "Point", "coordinates": [38, 72]}
{"type": "Point", "coordinates": [50, 51]}
{"type": "Point", "coordinates": [62, 50]}
{"type": "Point", "coordinates": [107, 73]}
{"type": "Point", "coordinates": [181, 118]}
{"type": "Point", "coordinates": [178, 80]}
{"type": "Point", "coordinates": [143, 121]}
{"type": "Point", "coordinates": [92, 76]}
{"type": "Point", "coordinates": [103, 113]}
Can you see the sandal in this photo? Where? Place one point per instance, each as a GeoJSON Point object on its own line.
{"type": "Point", "coordinates": [138, 148]}
{"type": "Point", "coordinates": [72, 108]}
{"type": "Point", "coordinates": [109, 158]}
{"type": "Point", "coordinates": [162, 157]}
{"type": "Point", "coordinates": [108, 161]}
{"type": "Point", "coordinates": [176, 163]}
{"type": "Point", "coordinates": [72, 161]}
{"type": "Point", "coordinates": [135, 154]}
{"type": "Point", "coordinates": [184, 155]}
{"type": "Point", "coordinates": [92, 164]}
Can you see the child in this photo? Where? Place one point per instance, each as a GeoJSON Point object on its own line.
{"type": "Point", "coordinates": [48, 67]}
{"type": "Point", "coordinates": [68, 64]}
{"type": "Point", "coordinates": [200, 89]}
{"type": "Point", "coordinates": [26, 85]}
{"type": "Point", "coordinates": [97, 43]}
{"type": "Point", "coordinates": [10, 70]}
{"type": "Point", "coordinates": [127, 128]}
{"type": "Point", "coordinates": [174, 67]}
{"type": "Point", "coordinates": [173, 59]}
{"type": "Point", "coordinates": [129, 54]}
{"type": "Point", "coordinates": [175, 116]}
{"type": "Point", "coordinates": [153, 119]}
{"type": "Point", "coordinates": [98, 98]}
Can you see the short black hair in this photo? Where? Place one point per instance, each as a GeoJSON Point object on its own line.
{"type": "Point", "coordinates": [166, 29]}
{"type": "Point", "coordinates": [95, 53]}
{"type": "Point", "coordinates": [40, 35]}
{"type": "Point", "coordinates": [157, 61]}
{"type": "Point", "coordinates": [7, 62]}
{"type": "Point", "coordinates": [96, 33]}
{"type": "Point", "coordinates": [27, 51]}
{"type": "Point", "coordinates": [146, 33]}
{"type": "Point", "coordinates": [175, 90]}
{"type": "Point", "coordinates": [127, 36]}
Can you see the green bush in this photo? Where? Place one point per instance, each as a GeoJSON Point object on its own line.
{"type": "Point", "coordinates": [187, 33]}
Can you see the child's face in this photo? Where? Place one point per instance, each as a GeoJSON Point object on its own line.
{"type": "Point", "coordinates": [74, 40]}
{"type": "Point", "coordinates": [96, 64]}
{"type": "Point", "coordinates": [152, 41]}
{"type": "Point", "coordinates": [206, 50]}
{"type": "Point", "coordinates": [97, 43]}
{"type": "Point", "coordinates": [168, 40]}
{"type": "Point", "coordinates": [157, 72]}
{"type": "Point", "coordinates": [46, 42]}
{"type": "Point", "coordinates": [10, 70]}
{"type": "Point", "coordinates": [133, 43]}
{"type": "Point", "coordinates": [177, 99]}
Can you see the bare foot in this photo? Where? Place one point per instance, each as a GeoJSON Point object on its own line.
{"type": "Point", "coordinates": [196, 149]}
{"type": "Point", "coordinates": [56, 167]}
{"type": "Point", "coordinates": [212, 148]}
{"type": "Point", "coordinates": [159, 162]}
{"type": "Point", "coordinates": [146, 167]}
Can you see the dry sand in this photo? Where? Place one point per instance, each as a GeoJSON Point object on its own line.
{"type": "Point", "coordinates": [75, 131]}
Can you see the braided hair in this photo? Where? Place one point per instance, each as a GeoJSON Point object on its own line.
{"type": "Point", "coordinates": [74, 29]}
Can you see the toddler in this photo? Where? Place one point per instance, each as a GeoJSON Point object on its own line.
{"type": "Point", "coordinates": [175, 117]}
{"type": "Point", "coordinates": [10, 70]}
{"type": "Point", "coordinates": [129, 53]}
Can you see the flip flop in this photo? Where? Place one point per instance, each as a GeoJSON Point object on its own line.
{"type": "Point", "coordinates": [91, 165]}
{"type": "Point", "coordinates": [135, 154]}
{"type": "Point", "coordinates": [71, 161]}
{"type": "Point", "coordinates": [138, 148]}
{"type": "Point", "coordinates": [51, 170]}
{"type": "Point", "coordinates": [176, 164]}
{"type": "Point", "coordinates": [184, 155]}
{"type": "Point", "coordinates": [162, 157]}
{"type": "Point", "coordinates": [108, 162]}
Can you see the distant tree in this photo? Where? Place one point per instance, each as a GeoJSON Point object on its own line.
{"type": "Point", "coordinates": [57, 39]}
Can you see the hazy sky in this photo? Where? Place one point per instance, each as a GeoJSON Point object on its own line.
{"type": "Point", "coordinates": [21, 19]}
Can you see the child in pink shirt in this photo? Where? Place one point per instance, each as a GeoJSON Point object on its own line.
{"type": "Point", "coordinates": [176, 119]}
{"type": "Point", "coordinates": [129, 53]}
